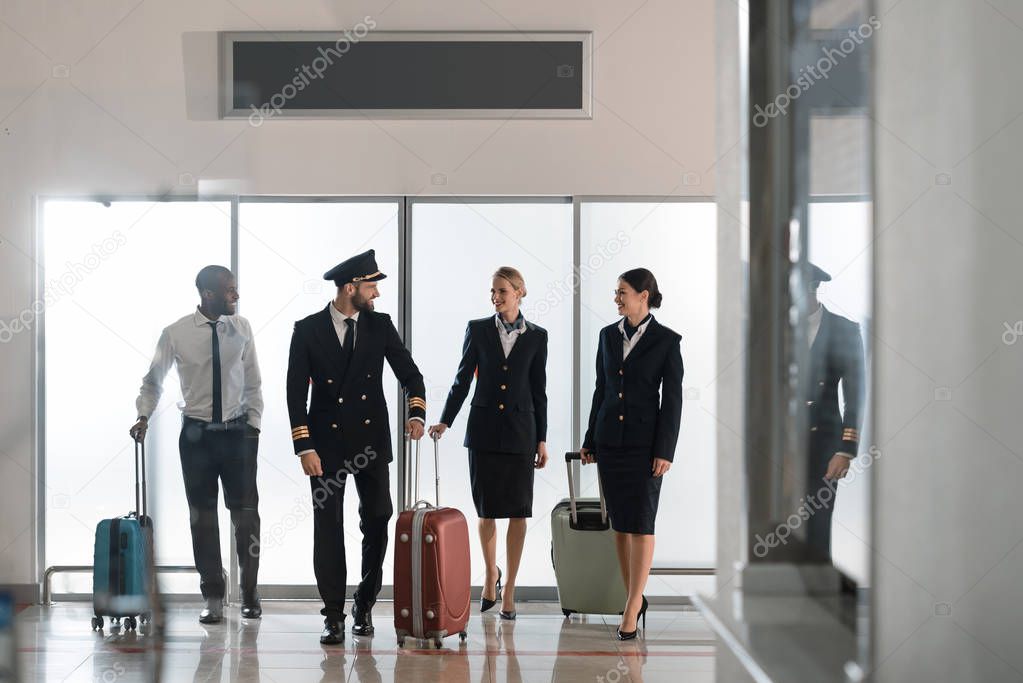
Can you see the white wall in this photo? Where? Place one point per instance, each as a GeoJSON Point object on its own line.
{"type": "Point", "coordinates": [948, 509]}
{"type": "Point", "coordinates": [94, 99]}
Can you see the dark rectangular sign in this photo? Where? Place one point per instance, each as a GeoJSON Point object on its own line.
{"type": "Point", "coordinates": [281, 77]}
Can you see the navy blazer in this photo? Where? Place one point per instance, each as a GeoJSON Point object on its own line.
{"type": "Point", "coordinates": [509, 407]}
{"type": "Point", "coordinates": [347, 413]}
{"type": "Point", "coordinates": [637, 403]}
{"type": "Point", "coordinates": [836, 356]}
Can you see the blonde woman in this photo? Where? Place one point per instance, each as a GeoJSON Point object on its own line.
{"type": "Point", "coordinates": [507, 427]}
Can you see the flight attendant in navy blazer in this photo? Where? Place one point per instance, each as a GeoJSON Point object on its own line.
{"type": "Point", "coordinates": [507, 428]}
{"type": "Point", "coordinates": [633, 428]}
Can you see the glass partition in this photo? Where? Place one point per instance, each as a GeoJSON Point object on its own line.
{"type": "Point", "coordinates": [456, 247]}
{"type": "Point", "coordinates": [677, 241]}
{"type": "Point", "coordinates": [284, 247]}
{"type": "Point", "coordinates": [116, 274]}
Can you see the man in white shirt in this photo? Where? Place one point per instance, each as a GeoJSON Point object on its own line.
{"type": "Point", "coordinates": [215, 354]}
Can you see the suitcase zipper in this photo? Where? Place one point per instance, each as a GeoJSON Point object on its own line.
{"type": "Point", "coordinates": [418, 517]}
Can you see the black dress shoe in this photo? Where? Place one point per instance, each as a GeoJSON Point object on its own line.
{"type": "Point", "coordinates": [487, 603]}
{"type": "Point", "coordinates": [363, 619]}
{"type": "Point", "coordinates": [251, 607]}
{"type": "Point", "coordinates": [333, 632]}
{"type": "Point", "coordinates": [213, 613]}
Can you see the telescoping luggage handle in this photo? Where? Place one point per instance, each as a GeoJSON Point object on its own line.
{"type": "Point", "coordinates": [141, 511]}
{"type": "Point", "coordinates": [569, 457]}
{"type": "Point", "coordinates": [412, 499]}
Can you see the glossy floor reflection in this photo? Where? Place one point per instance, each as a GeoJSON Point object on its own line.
{"type": "Point", "coordinates": [55, 644]}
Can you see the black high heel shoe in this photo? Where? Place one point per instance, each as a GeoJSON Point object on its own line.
{"type": "Point", "coordinates": [631, 635]}
{"type": "Point", "coordinates": [486, 603]}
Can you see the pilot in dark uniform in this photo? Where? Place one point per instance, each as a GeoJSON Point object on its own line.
{"type": "Point", "coordinates": [836, 356]}
{"type": "Point", "coordinates": [340, 352]}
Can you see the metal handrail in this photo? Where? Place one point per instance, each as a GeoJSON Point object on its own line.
{"type": "Point", "coordinates": [87, 568]}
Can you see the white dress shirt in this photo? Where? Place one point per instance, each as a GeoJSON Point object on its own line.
{"type": "Point", "coordinates": [189, 343]}
{"type": "Point", "coordinates": [339, 324]}
{"type": "Point", "coordinates": [508, 338]}
{"type": "Point", "coordinates": [630, 344]}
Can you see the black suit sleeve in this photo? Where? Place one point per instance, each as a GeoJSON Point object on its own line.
{"type": "Point", "coordinates": [405, 370]}
{"type": "Point", "coordinates": [598, 398]}
{"type": "Point", "coordinates": [298, 391]}
{"type": "Point", "coordinates": [463, 379]}
{"type": "Point", "coordinates": [851, 363]}
{"type": "Point", "coordinates": [669, 418]}
{"type": "Point", "coordinates": [538, 384]}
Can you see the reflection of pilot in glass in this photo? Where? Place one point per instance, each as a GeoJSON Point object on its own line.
{"type": "Point", "coordinates": [836, 355]}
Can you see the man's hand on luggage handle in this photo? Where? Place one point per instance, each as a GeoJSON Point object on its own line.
{"type": "Point", "coordinates": [414, 428]}
{"type": "Point", "coordinates": [661, 466]}
{"type": "Point", "coordinates": [138, 430]}
{"type": "Point", "coordinates": [541, 455]}
{"type": "Point", "coordinates": [437, 430]}
{"type": "Point", "coordinates": [585, 457]}
{"type": "Point", "coordinates": [311, 464]}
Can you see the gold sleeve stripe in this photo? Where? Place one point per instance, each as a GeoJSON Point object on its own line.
{"type": "Point", "coordinates": [417, 402]}
{"type": "Point", "coordinates": [303, 428]}
{"type": "Point", "coordinates": [850, 435]}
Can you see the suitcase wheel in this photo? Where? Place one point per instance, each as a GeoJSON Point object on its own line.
{"type": "Point", "coordinates": [401, 641]}
{"type": "Point", "coordinates": [97, 623]}
{"type": "Point", "coordinates": [115, 623]}
{"type": "Point", "coordinates": [462, 636]}
{"type": "Point", "coordinates": [130, 623]}
{"type": "Point", "coordinates": [438, 643]}
{"type": "Point", "coordinates": [566, 612]}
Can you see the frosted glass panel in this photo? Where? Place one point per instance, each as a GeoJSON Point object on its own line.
{"type": "Point", "coordinates": [840, 243]}
{"type": "Point", "coordinates": [455, 250]}
{"type": "Point", "coordinates": [678, 243]}
{"type": "Point", "coordinates": [115, 277]}
{"type": "Point", "coordinates": [283, 251]}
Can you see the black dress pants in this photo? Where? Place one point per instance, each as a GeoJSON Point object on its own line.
{"type": "Point", "coordinates": [210, 456]}
{"type": "Point", "coordinates": [374, 489]}
{"type": "Point", "coordinates": [820, 496]}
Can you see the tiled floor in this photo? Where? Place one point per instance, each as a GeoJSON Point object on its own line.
{"type": "Point", "coordinates": [55, 644]}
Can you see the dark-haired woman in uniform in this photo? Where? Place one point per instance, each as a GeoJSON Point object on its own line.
{"type": "Point", "coordinates": [507, 426]}
{"type": "Point", "coordinates": [633, 428]}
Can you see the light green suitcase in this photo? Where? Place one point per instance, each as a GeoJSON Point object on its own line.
{"type": "Point", "coordinates": [583, 553]}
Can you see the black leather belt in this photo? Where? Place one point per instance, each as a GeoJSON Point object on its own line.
{"type": "Point", "coordinates": [237, 423]}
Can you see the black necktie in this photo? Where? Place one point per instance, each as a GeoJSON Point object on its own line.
{"type": "Point", "coordinates": [349, 343]}
{"type": "Point", "coordinates": [218, 407]}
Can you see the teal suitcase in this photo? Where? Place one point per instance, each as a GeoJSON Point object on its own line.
{"type": "Point", "coordinates": [584, 556]}
{"type": "Point", "coordinates": [120, 566]}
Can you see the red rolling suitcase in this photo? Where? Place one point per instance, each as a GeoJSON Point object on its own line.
{"type": "Point", "coordinates": [431, 565]}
